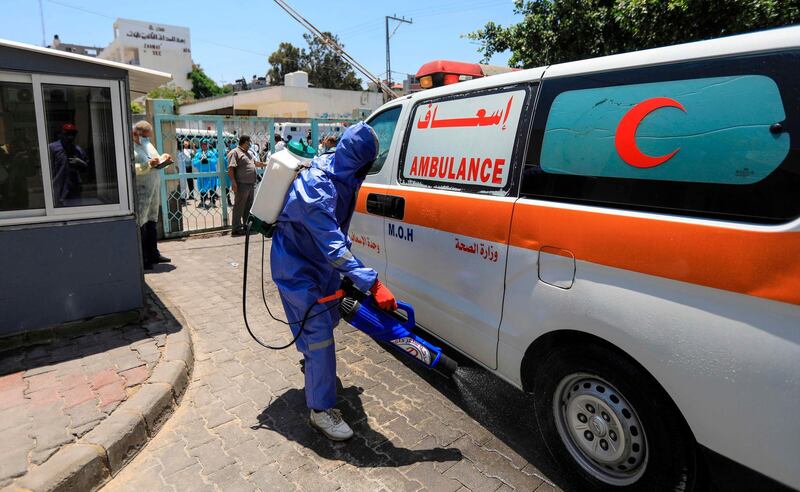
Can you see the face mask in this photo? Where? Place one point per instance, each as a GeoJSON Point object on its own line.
{"type": "Point", "coordinates": [145, 141]}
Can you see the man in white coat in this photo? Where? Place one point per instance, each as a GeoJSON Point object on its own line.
{"type": "Point", "coordinates": [148, 187]}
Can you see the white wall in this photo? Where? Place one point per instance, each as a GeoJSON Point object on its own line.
{"type": "Point", "coordinates": [291, 102]}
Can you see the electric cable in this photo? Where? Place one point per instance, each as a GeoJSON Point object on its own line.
{"type": "Point", "coordinates": [302, 322]}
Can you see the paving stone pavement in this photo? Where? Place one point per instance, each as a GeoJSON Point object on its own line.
{"type": "Point", "coordinates": [242, 424]}
{"type": "Point", "coordinates": [54, 392]}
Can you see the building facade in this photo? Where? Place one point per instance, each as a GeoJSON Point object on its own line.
{"type": "Point", "coordinates": [155, 46]}
{"type": "Point", "coordinates": [78, 49]}
{"type": "Point", "coordinates": [294, 99]}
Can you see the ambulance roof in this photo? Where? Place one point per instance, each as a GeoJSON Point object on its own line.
{"type": "Point", "coordinates": [769, 40]}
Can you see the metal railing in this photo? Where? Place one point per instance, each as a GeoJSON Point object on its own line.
{"type": "Point", "coordinates": [195, 191]}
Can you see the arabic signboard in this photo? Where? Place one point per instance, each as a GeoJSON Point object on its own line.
{"type": "Point", "coordinates": [153, 36]}
{"type": "Point", "coordinates": [464, 141]}
{"type": "Point", "coordinates": [710, 130]}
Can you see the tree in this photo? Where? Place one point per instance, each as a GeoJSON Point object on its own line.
{"type": "Point", "coordinates": [555, 31]}
{"type": "Point", "coordinates": [202, 85]}
{"type": "Point", "coordinates": [286, 59]}
{"type": "Point", "coordinates": [326, 68]}
{"type": "Point", "coordinates": [178, 95]}
{"type": "Point", "coordinates": [137, 107]}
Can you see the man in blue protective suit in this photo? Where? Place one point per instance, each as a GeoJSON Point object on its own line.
{"type": "Point", "coordinates": [311, 252]}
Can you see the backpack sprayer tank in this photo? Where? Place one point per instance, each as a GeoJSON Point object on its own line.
{"type": "Point", "coordinates": [281, 170]}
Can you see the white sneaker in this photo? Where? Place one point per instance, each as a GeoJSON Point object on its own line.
{"type": "Point", "coordinates": [330, 423]}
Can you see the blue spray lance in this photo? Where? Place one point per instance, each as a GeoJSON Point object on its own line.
{"type": "Point", "coordinates": [362, 313]}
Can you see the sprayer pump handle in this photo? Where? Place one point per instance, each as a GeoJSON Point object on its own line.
{"type": "Point", "coordinates": [336, 295]}
{"type": "Point", "coordinates": [406, 307]}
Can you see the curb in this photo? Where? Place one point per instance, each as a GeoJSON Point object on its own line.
{"type": "Point", "coordinates": [99, 455]}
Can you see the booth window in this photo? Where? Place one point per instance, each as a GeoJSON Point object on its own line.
{"type": "Point", "coordinates": [62, 149]}
{"type": "Point", "coordinates": [81, 146]}
{"type": "Point", "coordinates": [21, 185]}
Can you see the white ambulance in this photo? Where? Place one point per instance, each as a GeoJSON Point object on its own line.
{"type": "Point", "coordinates": [619, 236]}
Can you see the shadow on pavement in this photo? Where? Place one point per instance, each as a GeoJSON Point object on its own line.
{"type": "Point", "coordinates": [161, 268]}
{"type": "Point", "coordinates": [288, 416]}
{"type": "Point", "coordinates": [502, 409]}
{"type": "Point", "coordinates": [83, 339]}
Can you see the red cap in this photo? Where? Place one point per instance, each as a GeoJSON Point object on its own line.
{"type": "Point", "coordinates": [69, 128]}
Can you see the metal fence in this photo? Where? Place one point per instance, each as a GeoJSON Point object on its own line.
{"type": "Point", "coordinates": [195, 191]}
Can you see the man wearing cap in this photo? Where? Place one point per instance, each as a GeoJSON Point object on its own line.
{"type": "Point", "coordinates": [68, 161]}
{"type": "Point", "coordinates": [242, 166]}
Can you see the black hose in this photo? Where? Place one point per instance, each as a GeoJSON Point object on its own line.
{"type": "Point", "coordinates": [302, 322]}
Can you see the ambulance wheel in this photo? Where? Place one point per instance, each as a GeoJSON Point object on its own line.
{"type": "Point", "coordinates": [609, 425]}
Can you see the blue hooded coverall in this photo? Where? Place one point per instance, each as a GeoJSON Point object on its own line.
{"type": "Point", "coordinates": [311, 250]}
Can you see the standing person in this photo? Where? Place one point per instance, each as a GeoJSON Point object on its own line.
{"type": "Point", "coordinates": [242, 172]}
{"type": "Point", "coordinates": [205, 160]}
{"type": "Point", "coordinates": [329, 144]}
{"type": "Point", "coordinates": [185, 166]}
{"type": "Point", "coordinates": [228, 188]}
{"type": "Point", "coordinates": [19, 162]}
{"type": "Point", "coordinates": [68, 160]}
{"type": "Point", "coordinates": [279, 143]}
{"type": "Point", "coordinates": [148, 187]}
{"type": "Point", "coordinates": [310, 253]}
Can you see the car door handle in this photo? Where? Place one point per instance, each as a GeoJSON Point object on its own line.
{"type": "Point", "coordinates": [386, 205]}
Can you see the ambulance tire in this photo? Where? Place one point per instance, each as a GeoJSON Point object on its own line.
{"type": "Point", "coordinates": [574, 377]}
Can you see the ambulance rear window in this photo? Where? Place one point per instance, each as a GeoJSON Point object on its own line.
{"type": "Point", "coordinates": [712, 138]}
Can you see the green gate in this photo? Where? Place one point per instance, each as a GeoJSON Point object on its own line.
{"type": "Point", "coordinates": [195, 191]}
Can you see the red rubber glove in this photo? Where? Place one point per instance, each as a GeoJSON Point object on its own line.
{"type": "Point", "coordinates": [383, 296]}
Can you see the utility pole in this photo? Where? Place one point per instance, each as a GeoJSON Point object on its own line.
{"type": "Point", "coordinates": [399, 20]}
{"type": "Point", "coordinates": [41, 17]}
{"type": "Point", "coordinates": [387, 91]}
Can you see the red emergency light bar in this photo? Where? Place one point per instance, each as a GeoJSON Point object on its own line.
{"type": "Point", "coordinates": [445, 72]}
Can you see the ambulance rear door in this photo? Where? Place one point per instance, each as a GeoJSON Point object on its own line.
{"type": "Point", "coordinates": [367, 229]}
{"type": "Point", "coordinates": [449, 213]}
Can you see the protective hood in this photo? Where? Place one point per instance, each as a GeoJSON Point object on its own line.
{"type": "Point", "coordinates": [357, 148]}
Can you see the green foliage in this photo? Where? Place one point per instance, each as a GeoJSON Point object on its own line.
{"type": "Point", "coordinates": [325, 68]}
{"type": "Point", "coordinates": [556, 31]}
{"type": "Point", "coordinates": [178, 95]}
{"type": "Point", "coordinates": [137, 108]}
{"type": "Point", "coordinates": [286, 59]}
{"type": "Point", "coordinates": [202, 85]}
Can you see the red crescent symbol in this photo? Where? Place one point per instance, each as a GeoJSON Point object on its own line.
{"type": "Point", "coordinates": [625, 139]}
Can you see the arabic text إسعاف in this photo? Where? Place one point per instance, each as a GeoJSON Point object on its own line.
{"type": "Point", "coordinates": [480, 118]}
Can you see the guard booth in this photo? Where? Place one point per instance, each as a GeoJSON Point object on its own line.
{"type": "Point", "coordinates": [68, 232]}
